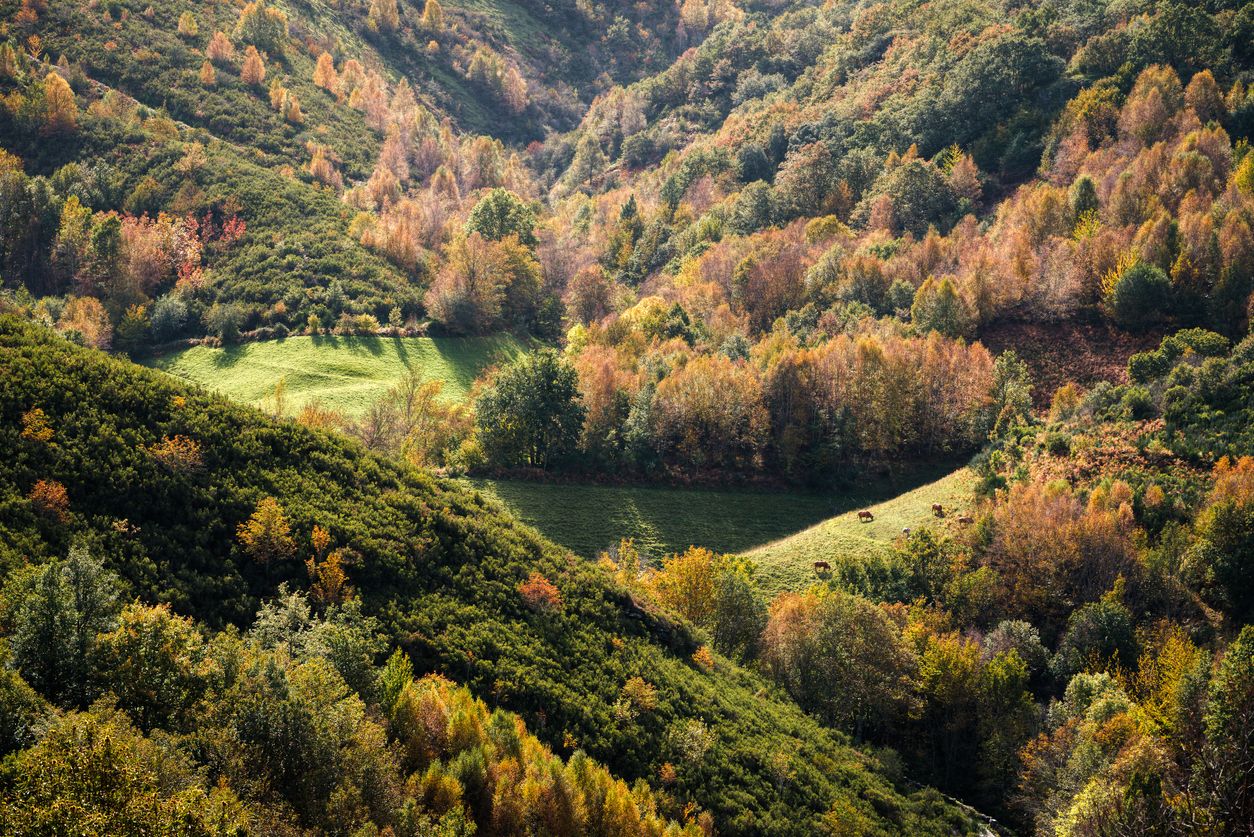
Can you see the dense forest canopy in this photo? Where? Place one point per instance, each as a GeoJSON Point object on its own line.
{"type": "Point", "coordinates": [780, 242]}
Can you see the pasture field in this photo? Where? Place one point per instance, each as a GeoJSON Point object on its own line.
{"type": "Point", "coordinates": [788, 564]}
{"type": "Point", "coordinates": [590, 518]}
{"type": "Point", "coordinates": [783, 531]}
{"type": "Point", "coordinates": [340, 373]}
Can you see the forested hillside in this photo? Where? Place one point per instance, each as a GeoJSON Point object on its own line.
{"type": "Point", "coordinates": [807, 247]}
{"type": "Point", "coordinates": [810, 195]}
{"type": "Point", "coordinates": [191, 506]}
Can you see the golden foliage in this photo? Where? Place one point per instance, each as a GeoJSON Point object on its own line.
{"type": "Point", "coordinates": [35, 426]}
{"type": "Point", "coordinates": [267, 536]}
{"type": "Point", "coordinates": [178, 453]}
{"type": "Point", "coordinates": [540, 594]}
{"type": "Point", "coordinates": [328, 581]}
{"type": "Point", "coordinates": [50, 499]}
{"type": "Point", "coordinates": [254, 70]}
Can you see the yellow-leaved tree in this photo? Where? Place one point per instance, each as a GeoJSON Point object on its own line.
{"type": "Point", "coordinates": [267, 535]}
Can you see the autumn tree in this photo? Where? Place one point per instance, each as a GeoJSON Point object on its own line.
{"type": "Point", "coordinates": [1052, 552]}
{"type": "Point", "coordinates": [60, 108]}
{"type": "Point", "coordinates": [325, 75]}
{"type": "Point", "coordinates": [589, 295]}
{"type": "Point", "coordinates": [36, 427]}
{"type": "Point", "coordinates": [322, 165]}
{"type": "Point", "coordinates": [540, 594]}
{"type": "Point", "coordinates": [187, 27]}
{"type": "Point", "coordinates": [687, 583]}
{"type": "Point", "coordinates": [384, 15]}
{"type": "Point", "coordinates": [84, 318]}
{"type": "Point", "coordinates": [290, 108]}
{"type": "Point", "coordinates": [514, 89]}
{"type": "Point", "coordinates": [468, 294]}
{"type": "Point", "coordinates": [208, 75]}
{"type": "Point", "coordinates": [710, 414]}
{"type": "Point", "coordinates": [253, 72]}
{"type": "Point", "coordinates": [180, 454]}
{"type": "Point", "coordinates": [220, 49]}
{"type": "Point", "coordinates": [328, 581]}
{"type": "Point", "coordinates": [370, 97]}
{"type": "Point", "coordinates": [433, 17]}
{"type": "Point", "coordinates": [50, 499]}
{"type": "Point", "coordinates": [267, 536]}
{"type": "Point", "coordinates": [430, 426]}
{"type": "Point", "coordinates": [840, 657]}
{"type": "Point", "coordinates": [263, 27]}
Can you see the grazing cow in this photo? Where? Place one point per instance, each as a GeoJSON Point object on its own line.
{"type": "Point", "coordinates": [905, 530]}
{"type": "Point", "coordinates": [821, 566]}
{"type": "Point", "coordinates": [938, 510]}
{"type": "Point", "coordinates": [865, 516]}
{"type": "Point", "coordinates": [965, 520]}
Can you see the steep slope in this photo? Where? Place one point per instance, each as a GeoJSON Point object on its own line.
{"type": "Point", "coordinates": [159, 477]}
{"type": "Point", "coordinates": [562, 52]}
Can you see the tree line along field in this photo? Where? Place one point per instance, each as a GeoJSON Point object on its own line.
{"type": "Point", "coordinates": [345, 374]}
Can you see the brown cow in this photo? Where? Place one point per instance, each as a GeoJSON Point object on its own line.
{"type": "Point", "coordinates": [966, 521]}
{"type": "Point", "coordinates": [821, 566]}
{"type": "Point", "coordinates": [938, 510]}
{"type": "Point", "coordinates": [865, 516]}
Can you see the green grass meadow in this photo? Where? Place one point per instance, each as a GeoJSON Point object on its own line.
{"type": "Point", "coordinates": [784, 531]}
{"type": "Point", "coordinates": [788, 563]}
{"type": "Point", "coordinates": [340, 373]}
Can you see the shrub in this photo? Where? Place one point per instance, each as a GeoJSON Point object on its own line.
{"type": "Point", "coordinates": [1138, 403]}
{"type": "Point", "coordinates": [1058, 444]}
{"type": "Point", "coordinates": [1140, 296]}
{"type": "Point", "coordinates": [540, 594]}
{"type": "Point", "coordinates": [167, 317]}
{"type": "Point", "coordinates": [224, 321]}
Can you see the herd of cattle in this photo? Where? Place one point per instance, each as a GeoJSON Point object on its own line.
{"type": "Point", "coordinates": [866, 516]}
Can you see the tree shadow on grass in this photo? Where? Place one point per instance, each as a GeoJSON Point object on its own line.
{"type": "Point", "coordinates": [228, 356]}
{"type": "Point", "coordinates": [370, 343]}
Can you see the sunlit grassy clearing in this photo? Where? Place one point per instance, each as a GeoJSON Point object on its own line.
{"type": "Point", "coordinates": [341, 373]}
{"type": "Point", "coordinates": [788, 564]}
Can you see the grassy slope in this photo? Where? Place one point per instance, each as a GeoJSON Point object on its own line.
{"type": "Point", "coordinates": [661, 519]}
{"type": "Point", "coordinates": [341, 373]}
{"type": "Point", "coordinates": [788, 564]}
{"type": "Point", "coordinates": [436, 564]}
{"type": "Point", "coordinates": [590, 518]}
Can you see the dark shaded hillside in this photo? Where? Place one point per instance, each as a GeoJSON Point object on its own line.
{"type": "Point", "coordinates": [1068, 352]}
{"type": "Point", "coordinates": [159, 478]}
